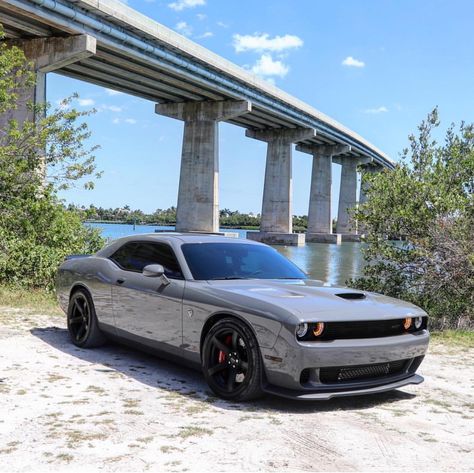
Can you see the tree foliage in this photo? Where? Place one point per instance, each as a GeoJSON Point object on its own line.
{"type": "Point", "coordinates": [36, 232]}
{"type": "Point", "coordinates": [427, 205]}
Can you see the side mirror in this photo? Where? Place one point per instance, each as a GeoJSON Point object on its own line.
{"type": "Point", "coordinates": [153, 271]}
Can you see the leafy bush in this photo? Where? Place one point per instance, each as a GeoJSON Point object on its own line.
{"type": "Point", "coordinates": [36, 231]}
{"type": "Point", "coordinates": [427, 204]}
{"type": "Point", "coordinates": [33, 245]}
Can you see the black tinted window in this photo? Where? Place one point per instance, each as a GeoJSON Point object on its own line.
{"type": "Point", "coordinates": [135, 256]}
{"type": "Point", "coordinates": [238, 261]}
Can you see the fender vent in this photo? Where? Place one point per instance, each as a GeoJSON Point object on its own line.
{"type": "Point", "coordinates": [351, 296]}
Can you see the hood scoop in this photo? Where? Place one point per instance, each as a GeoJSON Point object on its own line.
{"type": "Point", "coordinates": [351, 296]}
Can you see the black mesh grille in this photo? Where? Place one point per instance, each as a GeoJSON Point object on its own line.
{"type": "Point", "coordinates": [362, 329]}
{"type": "Point", "coordinates": [341, 374]}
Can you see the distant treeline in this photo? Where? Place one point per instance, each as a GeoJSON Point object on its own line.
{"type": "Point", "coordinates": [228, 218]}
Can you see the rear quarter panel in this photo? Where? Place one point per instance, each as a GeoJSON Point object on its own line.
{"type": "Point", "coordinates": [93, 273]}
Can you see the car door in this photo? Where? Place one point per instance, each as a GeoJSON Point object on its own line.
{"type": "Point", "coordinates": [148, 307]}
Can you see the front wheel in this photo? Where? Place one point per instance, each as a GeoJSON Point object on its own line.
{"type": "Point", "coordinates": [82, 321]}
{"type": "Point", "coordinates": [231, 361]}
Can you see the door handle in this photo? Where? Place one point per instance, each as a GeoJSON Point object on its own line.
{"type": "Point", "coordinates": [120, 281]}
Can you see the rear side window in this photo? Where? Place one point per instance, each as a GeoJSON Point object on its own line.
{"type": "Point", "coordinates": [135, 256]}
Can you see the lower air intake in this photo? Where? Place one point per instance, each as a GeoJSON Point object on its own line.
{"type": "Point", "coordinates": [362, 372]}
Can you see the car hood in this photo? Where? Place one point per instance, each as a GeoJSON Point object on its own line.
{"type": "Point", "coordinates": [309, 300]}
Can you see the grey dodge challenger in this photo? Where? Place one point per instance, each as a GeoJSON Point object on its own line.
{"type": "Point", "coordinates": [242, 313]}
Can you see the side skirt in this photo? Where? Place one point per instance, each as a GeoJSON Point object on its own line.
{"type": "Point", "coordinates": [152, 347]}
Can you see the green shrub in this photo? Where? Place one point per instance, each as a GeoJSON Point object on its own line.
{"type": "Point", "coordinates": [427, 203]}
{"type": "Point", "coordinates": [34, 245]}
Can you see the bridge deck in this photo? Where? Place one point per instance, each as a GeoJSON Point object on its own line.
{"type": "Point", "coordinates": [139, 56]}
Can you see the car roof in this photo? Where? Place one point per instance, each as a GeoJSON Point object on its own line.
{"type": "Point", "coordinates": [177, 237]}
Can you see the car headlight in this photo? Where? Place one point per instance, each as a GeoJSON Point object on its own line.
{"type": "Point", "coordinates": [318, 329]}
{"type": "Point", "coordinates": [301, 330]}
{"type": "Point", "coordinates": [407, 323]}
{"type": "Point", "coordinates": [418, 322]}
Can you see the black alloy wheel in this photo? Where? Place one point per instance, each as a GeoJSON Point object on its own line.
{"type": "Point", "coordinates": [82, 321]}
{"type": "Point", "coordinates": [231, 361]}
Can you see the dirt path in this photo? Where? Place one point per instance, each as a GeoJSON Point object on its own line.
{"type": "Point", "coordinates": [115, 409]}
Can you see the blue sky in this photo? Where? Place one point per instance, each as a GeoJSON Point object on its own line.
{"type": "Point", "coordinates": [377, 66]}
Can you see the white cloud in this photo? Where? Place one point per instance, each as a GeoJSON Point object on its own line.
{"type": "Point", "coordinates": [201, 16]}
{"type": "Point", "coordinates": [374, 111]}
{"type": "Point", "coordinates": [207, 34]}
{"type": "Point", "coordinates": [180, 5]}
{"type": "Point", "coordinates": [113, 92]}
{"type": "Point", "coordinates": [263, 42]}
{"type": "Point", "coordinates": [111, 108]}
{"type": "Point", "coordinates": [267, 66]}
{"type": "Point", "coordinates": [86, 102]}
{"type": "Point", "coordinates": [184, 28]}
{"type": "Point", "coordinates": [130, 121]}
{"type": "Point", "coordinates": [222, 24]}
{"type": "Point", "coordinates": [116, 121]}
{"type": "Point", "coordinates": [351, 62]}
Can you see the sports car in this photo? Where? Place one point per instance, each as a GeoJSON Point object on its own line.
{"type": "Point", "coordinates": [250, 319]}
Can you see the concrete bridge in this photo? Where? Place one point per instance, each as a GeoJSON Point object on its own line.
{"type": "Point", "coordinates": [107, 43]}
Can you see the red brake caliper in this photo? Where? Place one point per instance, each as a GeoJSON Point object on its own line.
{"type": "Point", "coordinates": [228, 341]}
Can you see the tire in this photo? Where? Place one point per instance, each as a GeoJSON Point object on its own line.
{"type": "Point", "coordinates": [82, 321]}
{"type": "Point", "coordinates": [231, 361]}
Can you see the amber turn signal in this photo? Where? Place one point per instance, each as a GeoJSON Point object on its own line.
{"type": "Point", "coordinates": [407, 323]}
{"type": "Point", "coordinates": [318, 329]}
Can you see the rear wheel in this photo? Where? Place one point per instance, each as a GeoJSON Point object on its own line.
{"type": "Point", "coordinates": [231, 361]}
{"type": "Point", "coordinates": [82, 321]}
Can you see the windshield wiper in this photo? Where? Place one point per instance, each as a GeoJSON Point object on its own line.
{"type": "Point", "coordinates": [224, 278]}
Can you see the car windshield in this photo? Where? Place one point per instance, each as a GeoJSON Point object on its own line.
{"type": "Point", "coordinates": [238, 261]}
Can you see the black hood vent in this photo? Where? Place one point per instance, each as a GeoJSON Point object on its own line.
{"type": "Point", "coordinates": [351, 296]}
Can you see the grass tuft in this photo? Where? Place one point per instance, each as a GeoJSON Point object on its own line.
{"type": "Point", "coordinates": [459, 338]}
{"type": "Point", "coordinates": [34, 299]}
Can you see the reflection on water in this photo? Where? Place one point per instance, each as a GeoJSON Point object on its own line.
{"type": "Point", "coordinates": [334, 264]}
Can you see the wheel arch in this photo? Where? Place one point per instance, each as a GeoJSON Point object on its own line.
{"type": "Point", "coordinates": [211, 320]}
{"type": "Point", "coordinates": [78, 286]}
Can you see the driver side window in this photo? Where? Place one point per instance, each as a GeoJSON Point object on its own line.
{"type": "Point", "coordinates": [135, 256]}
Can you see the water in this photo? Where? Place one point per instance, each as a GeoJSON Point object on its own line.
{"type": "Point", "coordinates": [334, 264]}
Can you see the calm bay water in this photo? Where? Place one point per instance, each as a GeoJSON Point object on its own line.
{"type": "Point", "coordinates": [333, 264]}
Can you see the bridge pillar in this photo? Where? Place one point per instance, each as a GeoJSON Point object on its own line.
{"type": "Point", "coordinates": [346, 225]}
{"type": "Point", "coordinates": [277, 219]}
{"type": "Point", "coordinates": [46, 55]}
{"type": "Point", "coordinates": [319, 213]}
{"type": "Point", "coordinates": [198, 201]}
{"type": "Point", "coordinates": [366, 169]}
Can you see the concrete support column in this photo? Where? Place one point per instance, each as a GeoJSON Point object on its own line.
{"type": "Point", "coordinates": [276, 219]}
{"type": "Point", "coordinates": [364, 170]}
{"type": "Point", "coordinates": [347, 196]}
{"type": "Point", "coordinates": [46, 55]}
{"type": "Point", "coordinates": [319, 213]}
{"type": "Point", "coordinates": [198, 194]}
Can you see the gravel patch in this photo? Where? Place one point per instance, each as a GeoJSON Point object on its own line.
{"type": "Point", "coordinates": [116, 409]}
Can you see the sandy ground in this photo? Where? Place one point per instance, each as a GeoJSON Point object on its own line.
{"type": "Point", "coordinates": [115, 409]}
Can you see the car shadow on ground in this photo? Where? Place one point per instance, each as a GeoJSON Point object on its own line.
{"type": "Point", "coordinates": [177, 378]}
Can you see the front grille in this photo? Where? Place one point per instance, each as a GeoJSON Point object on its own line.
{"type": "Point", "coordinates": [365, 329]}
{"type": "Point", "coordinates": [341, 374]}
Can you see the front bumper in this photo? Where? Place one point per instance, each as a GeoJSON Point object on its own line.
{"type": "Point", "coordinates": [326, 395]}
{"type": "Point", "coordinates": [288, 359]}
